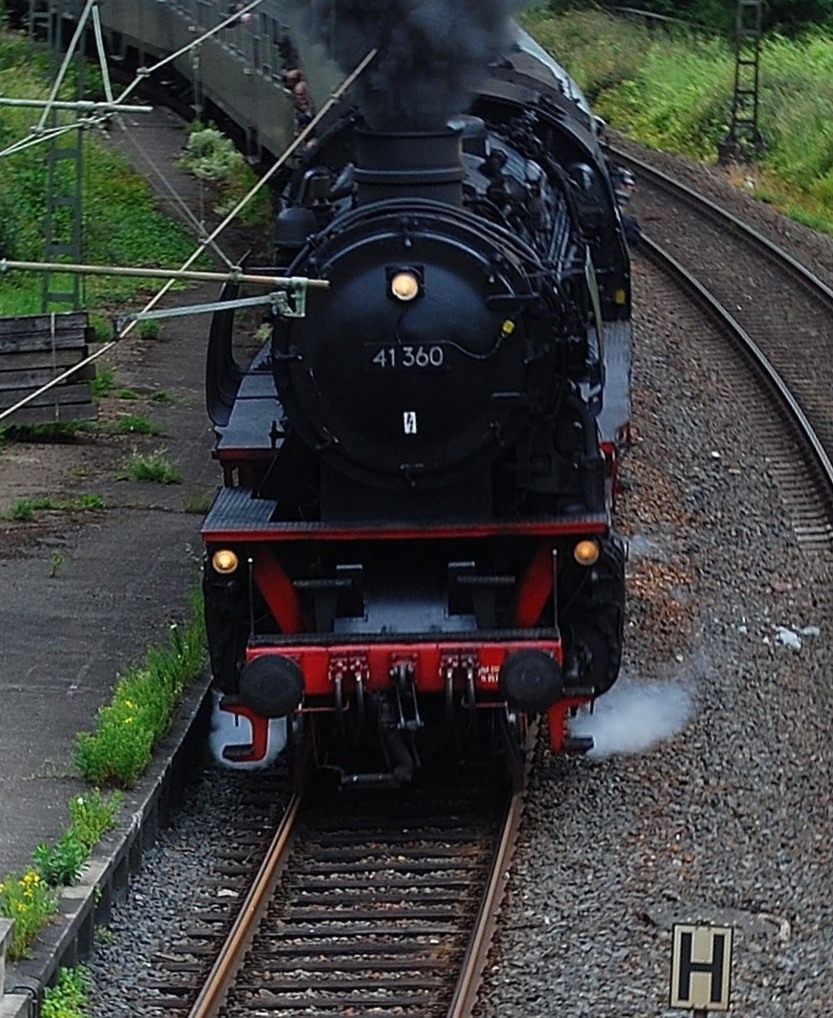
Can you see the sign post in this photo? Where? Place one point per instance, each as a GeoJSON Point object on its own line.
{"type": "Point", "coordinates": [701, 964]}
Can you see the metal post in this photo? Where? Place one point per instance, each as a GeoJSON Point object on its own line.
{"type": "Point", "coordinates": [40, 17]}
{"type": "Point", "coordinates": [744, 139]}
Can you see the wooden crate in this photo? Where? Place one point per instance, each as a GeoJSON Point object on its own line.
{"type": "Point", "coordinates": [34, 349]}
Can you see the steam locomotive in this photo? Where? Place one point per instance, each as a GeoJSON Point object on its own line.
{"type": "Point", "coordinates": [413, 546]}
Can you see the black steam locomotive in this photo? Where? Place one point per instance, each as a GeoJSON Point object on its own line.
{"type": "Point", "coordinates": [413, 545]}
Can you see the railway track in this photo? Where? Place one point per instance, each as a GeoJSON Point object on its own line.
{"type": "Point", "coordinates": [778, 316]}
{"type": "Point", "coordinates": [374, 903]}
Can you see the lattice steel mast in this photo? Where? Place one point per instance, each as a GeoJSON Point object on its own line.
{"type": "Point", "coordinates": [744, 139]}
{"type": "Point", "coordinates": [64, 215]}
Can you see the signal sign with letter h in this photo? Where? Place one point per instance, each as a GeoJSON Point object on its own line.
{"type": "Point", "coordinates": [701, 964]}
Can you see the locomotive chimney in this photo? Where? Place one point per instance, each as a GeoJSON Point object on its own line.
{"type": "Point", "coordinates": [410, 165]}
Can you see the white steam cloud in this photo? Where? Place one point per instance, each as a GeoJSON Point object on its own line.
{"type": "Point", "coordinates": [634, 716]}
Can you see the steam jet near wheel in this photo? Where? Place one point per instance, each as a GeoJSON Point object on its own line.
{"type": "Point", "coordinates": [413, 548]}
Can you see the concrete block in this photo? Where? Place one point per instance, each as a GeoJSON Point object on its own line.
{"type": "Point", "coordinates": [15, 1005]}
{"type": "Point", "coordinates": [6, 931]}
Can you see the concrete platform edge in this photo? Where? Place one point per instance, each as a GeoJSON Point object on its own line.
{"type": "Point", "coordinates": [69, 939]}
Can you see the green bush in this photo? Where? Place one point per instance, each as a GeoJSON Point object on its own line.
{"type": "Point", "coordinates": [69, 997]}
{"type": "Point", "coordinates": [61, 862]}
{"type": "Point", "coordinates": [212, 157]}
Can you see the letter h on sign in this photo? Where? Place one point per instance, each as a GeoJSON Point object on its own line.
{"type": "Point", "coordinates": [701, 966]}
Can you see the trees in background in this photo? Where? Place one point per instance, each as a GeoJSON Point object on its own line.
{"type": "Point", "coordinates": [788, 16]}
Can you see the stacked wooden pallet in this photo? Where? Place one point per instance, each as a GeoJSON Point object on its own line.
{"type": "Point", "coordinates": [34, 349]}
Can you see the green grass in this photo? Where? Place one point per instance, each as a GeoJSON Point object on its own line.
{"type": "Point", "coordinates": [103, 382]}
{"type": "Point", "coordinates": [135, 424]}
{"type": "Point", "coordinates": [123, 222]}
{"type": "Point", "coordinates": [199, 502]}
{"type": "Point", "coordinates": [25, 508]}
{"type": "Point", "coordinates": [102, 327]}
{"type": "Point", "coordinates": [119, 748]}
{"type": "Point", "coordinates": [65, 431]}
{"type": "Point", "coordinates": [150, 330]}
{"type": "Point", "coordinates": [91, 817]}
{"type": "Point", "coordinates": [154, 467]}
{"type": "Point", "coordinates": [673, 91]}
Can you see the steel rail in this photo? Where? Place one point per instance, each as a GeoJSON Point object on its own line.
{"type": "Point", "coordinates": [474, 962]}
{"type": "Point", "coordinates": [753, 236]}
{"type": "Point", "coordinates": [726, 320]}
{"type": "Point", "coordinates": [468, 985]}
{"type": "Point", "coordinates": [211, 997]}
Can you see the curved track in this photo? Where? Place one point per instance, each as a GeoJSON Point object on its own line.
{"type": "Point", "coordinates": [774, 310]}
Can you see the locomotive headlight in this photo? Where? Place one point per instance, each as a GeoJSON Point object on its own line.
{"type": "Point", "coordinates": [586, 553]}
{"type": "Point", "coordinates": [225, 561]}
{"type": "Point", "coordinates": [404, 286]}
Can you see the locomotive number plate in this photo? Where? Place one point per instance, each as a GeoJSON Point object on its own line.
{"type": "Point", "coordinates": [419, 357]}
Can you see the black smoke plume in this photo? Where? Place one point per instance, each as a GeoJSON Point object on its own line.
{"type": "Point", "coordinates": [433, 54]}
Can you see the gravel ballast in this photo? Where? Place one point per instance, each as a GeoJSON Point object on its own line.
{"type": "Point", "coordinates": [730, 822]}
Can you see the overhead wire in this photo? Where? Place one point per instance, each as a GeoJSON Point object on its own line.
{"type": "Point", "coordinates": [68, 56]}
{"type": "Point", "coordinates": [264, 180]}
{"type": "Point", "coordinates": [41, 134]}
{"type": "Point", "coordinates": [102, 56]}
{"type": "Point", "coordinates": [38, 139]}
{"type": "Point", "coordinates": [196, 224]}
{"type": "Point", "coordinates": [299, 140]}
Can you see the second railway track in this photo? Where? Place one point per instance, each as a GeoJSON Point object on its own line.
{"type": "Point", "coordinates": [775, 310]}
